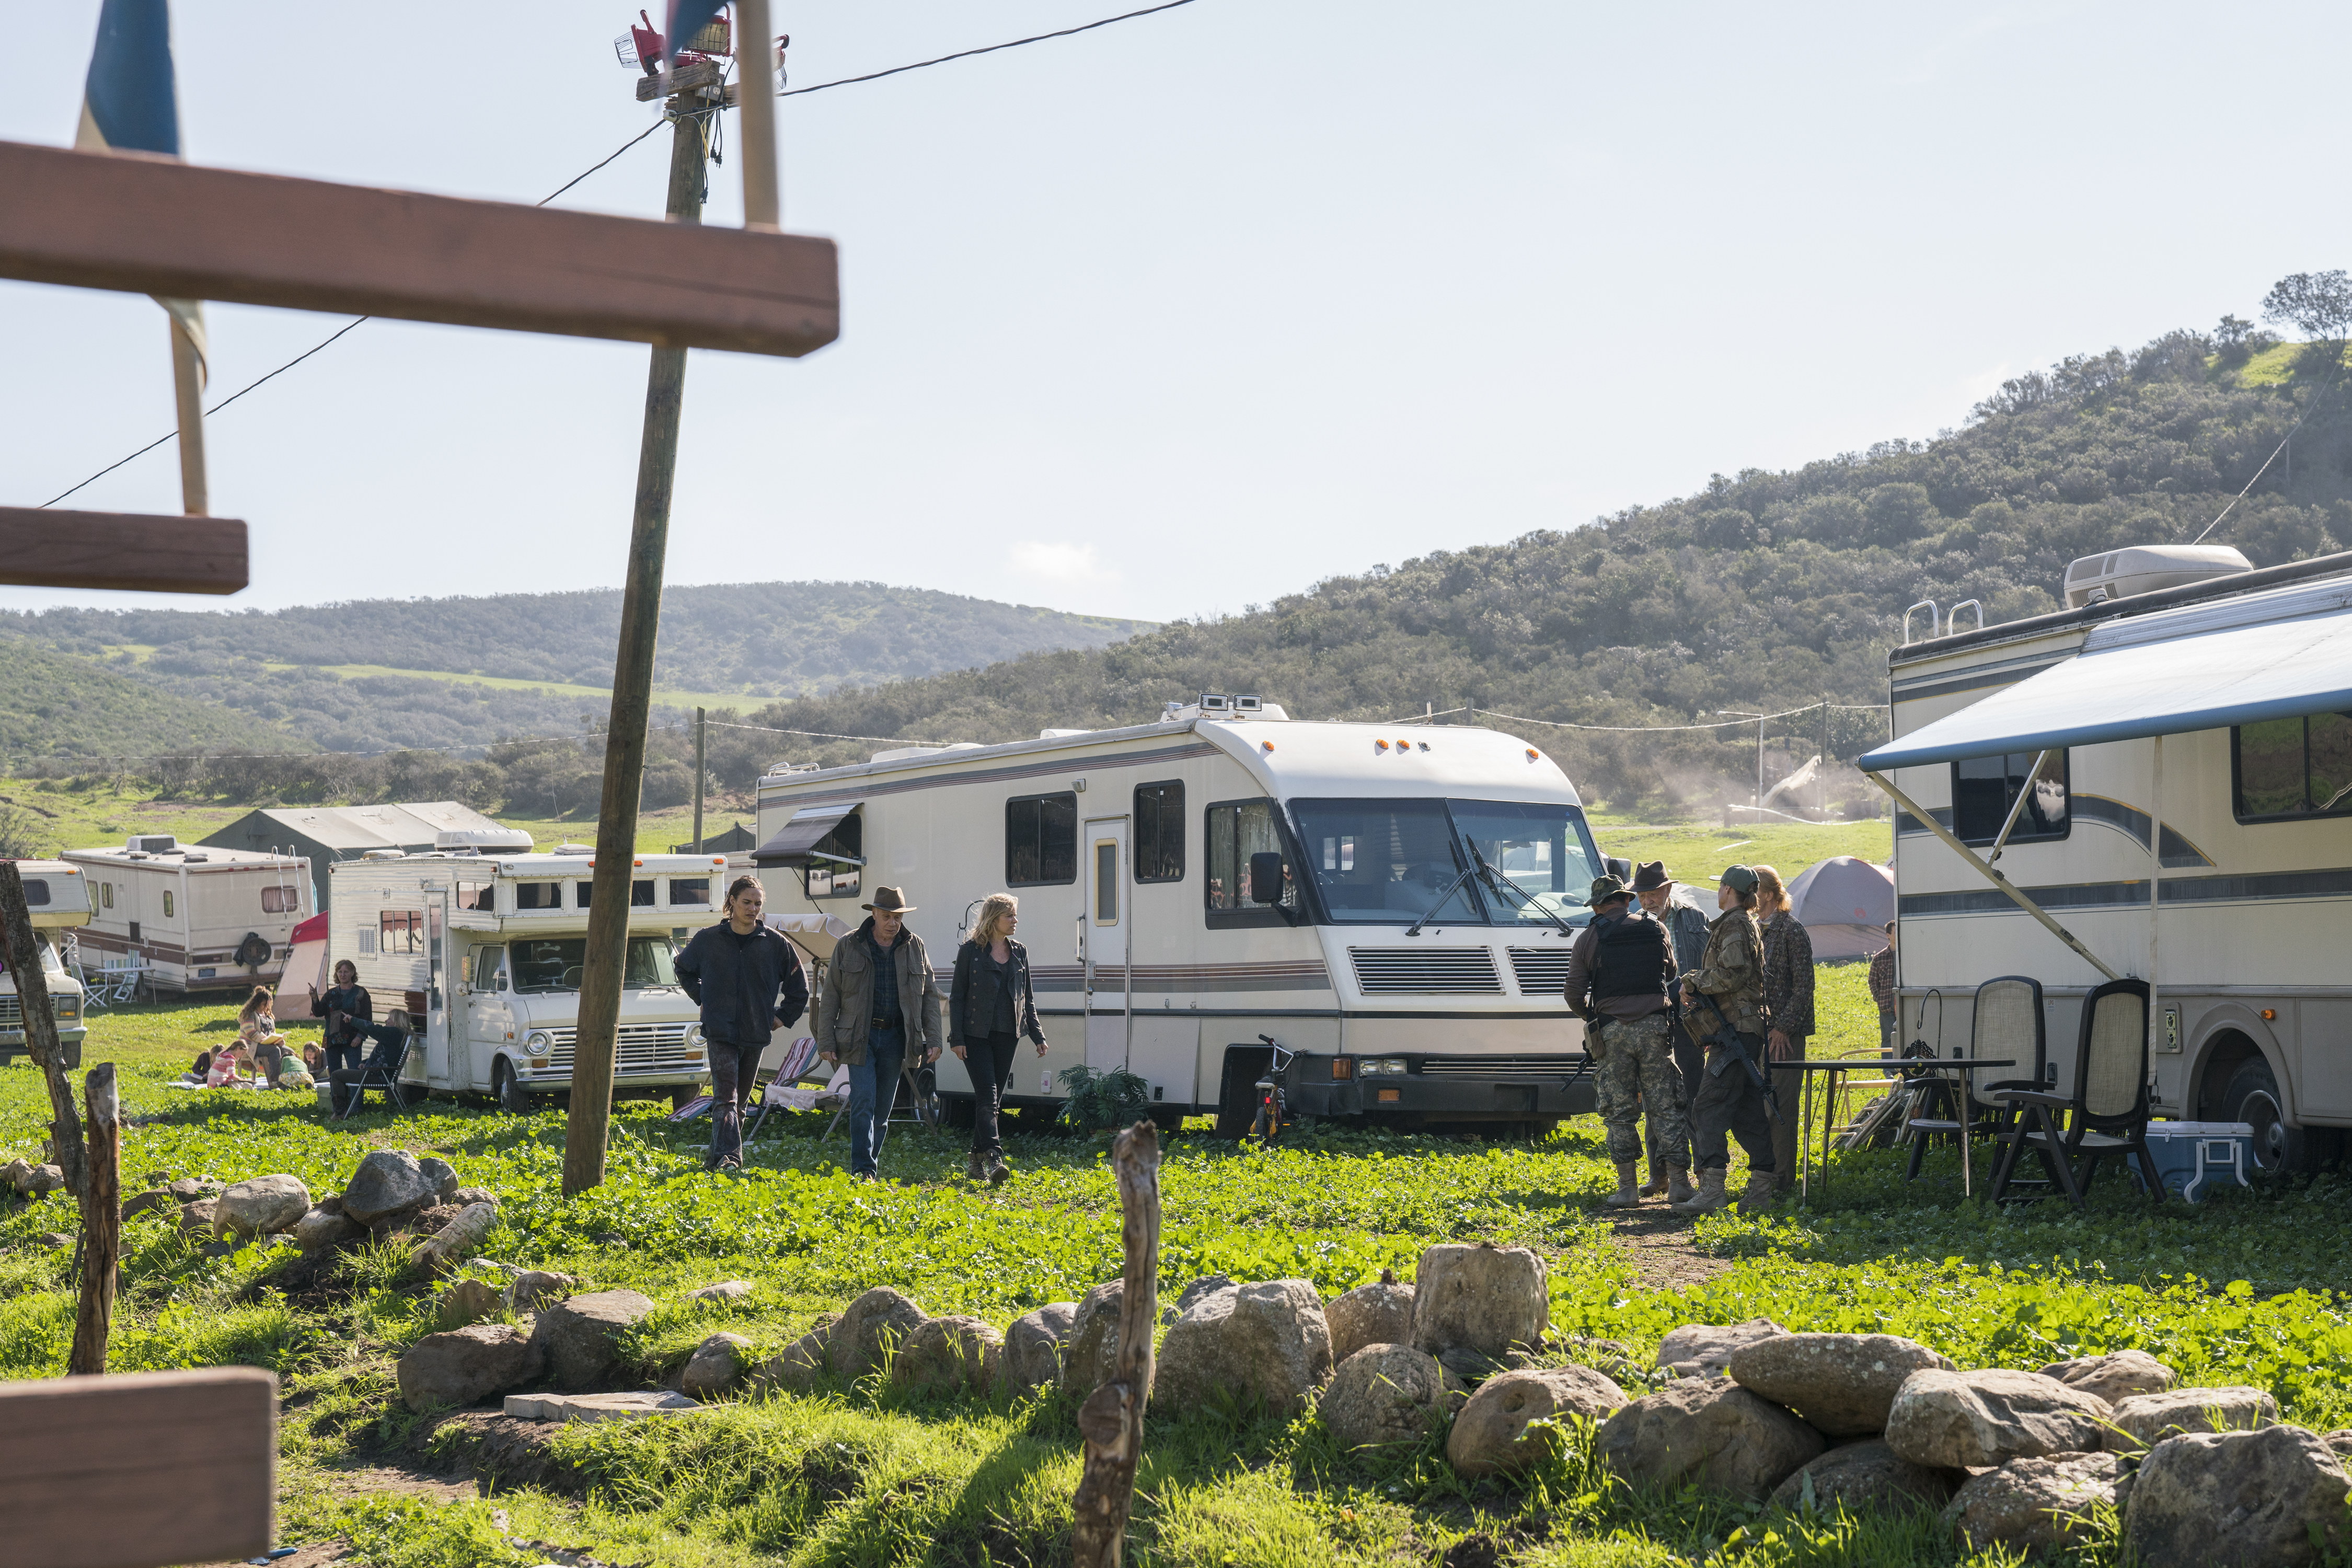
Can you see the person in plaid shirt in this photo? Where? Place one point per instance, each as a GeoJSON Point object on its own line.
{"type": "Point", "coordinates": [1882, 991]}
{"type": "Point", "coordinates": [1789, 1003]}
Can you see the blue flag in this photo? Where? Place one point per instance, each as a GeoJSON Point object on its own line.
{"type": "Point", "coordinates": [687, 17]}
{"type": "Point", "coordinates": [130, 102]}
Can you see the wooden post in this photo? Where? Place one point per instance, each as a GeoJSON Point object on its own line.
{"type": "Point", "coordinates": [755, 63]}
{"type": "Point", "coordinates": [589, 1121]}
{"type": "Point", "coordinates": [188, 392]}
{"type": "Point", "coordinates": [1111, 1420]}
{"type": "Point", "coordinates": [101, 1222]}
{"type": "Point", "coordinates": [40, 1020]}
{"type": "Point", "coordinates": [700, 725]}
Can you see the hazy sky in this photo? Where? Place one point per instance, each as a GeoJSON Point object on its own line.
{"type": "Point", "coordinates": [1178, 315]}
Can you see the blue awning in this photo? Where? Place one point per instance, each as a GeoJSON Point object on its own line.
{"type": "Point", "coordinates": [2278, 655]}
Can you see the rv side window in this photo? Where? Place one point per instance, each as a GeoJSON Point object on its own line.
{"type": "Point", "coordinates": [401, 930]}
{"type": "Point", "coordinates": [538, 895]}
{"type": "Point", "coordinates": [1159, 833]}
{"type": "Point", "coordinates": [1985, 788]}
{"type": "Point", "coordinates": [37, 891]}
{"type": "Point", "coordinates": [640, 893]}
{"type": "Point", "coordinates": [475, 895]}
{"type": "Point", "coordinates": [167, 903]}
{"type": "Point", "coordinates": [106, 894]}
{"type": "Point", "coordinates": [277, 900]}
{"type": "Point", "coordinates": [1237, 830]}
{"type": "Point", "coordinates": [1040, 840]}
{"type": "Point", "coordinates": [2282, 769]}
{"type": "Point", "coordinates": [690, 893]}
{"type": "Point", "coordinates": [834, 859]}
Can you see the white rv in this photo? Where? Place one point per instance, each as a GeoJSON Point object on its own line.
{"type": "Point", "coordinates": [2039, 766]}
{"type": "Point", "coordinates": [57, 897]}
{"type": "Point", "coordinates": [483, 948]}
{"type": "Point", "coordinates": [193, 919]}
{"type": "Point", "coordinates": [1194, 889]}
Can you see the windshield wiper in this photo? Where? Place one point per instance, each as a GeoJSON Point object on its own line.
{"type": "Point", "coordinates": [1443, 899]}
{"type": "Point", "coordinates": [1503, 884]}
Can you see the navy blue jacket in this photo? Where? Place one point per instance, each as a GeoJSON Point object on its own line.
{"type": "Point", "coordinates": [971, 997]}
{"type": "Point", "coordinates": [719, 972]}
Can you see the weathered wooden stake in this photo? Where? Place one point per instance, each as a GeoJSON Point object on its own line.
{"type": "Point", "coordinates": [101, 1222]}
{"type": "Point", "coordinates": [1111, 1420]}
{"type": "Point", "coordinates": [40, 1020]}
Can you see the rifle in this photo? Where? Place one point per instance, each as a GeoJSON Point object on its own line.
{"type": "Point", "coordinates": [1726, 1039]}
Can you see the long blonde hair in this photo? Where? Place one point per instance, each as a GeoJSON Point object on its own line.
{"type": "Point", "coordinates": [994, 908]}
{"type": "Point", "coordinates": [1774, 892]}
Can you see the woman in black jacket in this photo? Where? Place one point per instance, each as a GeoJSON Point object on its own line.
{"type": "Point", "coordinates": [990, 1008]}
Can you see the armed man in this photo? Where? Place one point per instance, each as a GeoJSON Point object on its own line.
{"type": "Point", "coordinates": [1687, 927]}
{"type": "Point", "coordinates": [1723, 1004]}
{"type": "Point", "coordinates": [1620, 969]}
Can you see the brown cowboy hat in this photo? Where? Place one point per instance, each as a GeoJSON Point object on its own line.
{"type": "Point", "coordinates": [889, 901]}
{"type": "Point", "coordinates": [1651, 876]}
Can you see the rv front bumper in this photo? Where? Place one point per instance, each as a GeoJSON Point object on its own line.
{"type": "Point", "coordinates": [1441, 1089]}
{"type": "Point", "coordinates": [70, 1036]}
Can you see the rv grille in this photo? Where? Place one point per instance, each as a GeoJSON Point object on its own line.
{"type": "Point", "coordinates": [1561, 1066]}
{"type": "Point", "coordinates": [643, 1048]}
{"type": "Point", "coordinates": [12, 1015]}
{"type": "Point", "coordinates": [1541, 971]}
{"type": "Point", "coordinates": [1449, 971]}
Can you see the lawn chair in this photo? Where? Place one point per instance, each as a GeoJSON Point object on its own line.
{"type": "Point", "coordinates": [383, 1072]}
{"type": "Point", "coordinates": [2107, 1112]}
{"type": "Point", "coordinates": [2007, 1022]}
{"type": "Point", "coordinates": [786, 1091]}
{"type": "Point", "coordinates": [915, 1098]}
{"type": "Point", "coordinates": [118, 981]}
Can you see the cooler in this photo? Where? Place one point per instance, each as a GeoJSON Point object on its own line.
{"type": "Point", "coordinates": [2190, 1154]}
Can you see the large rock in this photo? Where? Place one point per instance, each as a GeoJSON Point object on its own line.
{"type": "Point", "coordinates": [459, 1239]}
{"type": "Point", "coordinates": [2218, 1499]}
{"type": "Point", "coordinates": [468, 1301]}
{"type": "Point", "coordinates": [2113, 1377]}
{"type": "Point", "coordinates": [14, 1172]}
{"type": "Point", "coordinates": [154, 1200]}
{"type": "Point", "coordinates": [1842, 1384]}
{"type": "Point", "coordinates": [1033, 1346]}
{"type": "Point", "coordinates": [1370, 1315]}
{"type": "Point", "coordinates": [716, 1365]}
{"type": "Point", "coordinates": [872, 1330]}
{"type": "Point", "coordinates": [2033, 1505]}
{"type": "Point", "coordinates": [196, 1218]}
{"type": "Point", "coordinates": [41, 1180]}
{"type": "Point", "coordinates": [951, 1355]}
{"type": "Point", "coordinates": [262, 1207]}
{"type": "Point", "coordinates": [581, 1336]}
{"type": "Point", "coordinates": [444, 1177]}
{"type": "Point", "coordinates": [1867, 1475]}
{"type": "Point", "coordinates": [1485, 1297]}
{"type": "Point", "coordinates": [1190, 1295]}
{"type": "Point", "coordinates": [1979, 1419]}
{"type": "Point", "coordinates": [1711, 1431]}
{"type": "Point", "coordinates": [1265, 1341]}
{"type": "Point", "coordinates": [1091, 1346]}
{"type": "Point", "coordinates": [722, 1294]}
{"type": "Point", "coordinates": [799, 1366]}
{"type": "Point", "coordinates": [188, 1189]}
{"type": "Point", "coordinates": [388, 1182]}
{"type": "Point", "coordinates": [1388, 1393]}
{"type": "Point", "coordinates": [326, 1227]}
{"type": "Point", "coordinates": [2143, 1420]}
{"type": "Point", "coordinates": [534, 1287]}
{"type": "Point", "coordinates": [1705, 1350]}
{"type": "Point", "coordinates": [463, 1365]}
{"type": "Point", "coordinates": [1490, 1434]}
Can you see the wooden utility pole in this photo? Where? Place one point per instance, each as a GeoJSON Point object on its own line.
{"type": "Point", "coordinates": [591, 1115]}
{"type": "Point", "coordinates": [40, 1020]}
{"type": "Point", "coordinates": [101, 1223]}
{"type": "Point", "coordinates": [1111, 1420]}
{"type": "Point", "coordinates": [700, 724]}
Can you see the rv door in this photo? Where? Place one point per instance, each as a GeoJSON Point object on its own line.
{"type": "Point", "coordinates": [1106, 924]}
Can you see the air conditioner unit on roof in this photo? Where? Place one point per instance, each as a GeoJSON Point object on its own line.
{"type": "Point", "coordinates": [2147, 569]}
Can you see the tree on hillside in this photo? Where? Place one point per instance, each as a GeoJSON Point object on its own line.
{"type": "Point", "coordinates": [2317, 304]}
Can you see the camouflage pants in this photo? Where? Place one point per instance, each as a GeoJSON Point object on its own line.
{"type": "Point", "coordinates": [1637, 1073]}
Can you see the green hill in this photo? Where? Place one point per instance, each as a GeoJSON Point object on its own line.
{"type": "Point", "coordinates": [55, 706]}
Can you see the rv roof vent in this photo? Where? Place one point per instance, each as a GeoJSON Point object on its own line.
{"type": "Point", "coordinates": [574, 850]}
{"type": "Point", "coordinates": [2145, 569]}
{"type": "Point", "coordinates": [900, 753]}
{"type": "Point", "coordinates": [483, 841]}
{"type": "Point", "coordinates": [152, 844]}
{"type": "Point", "coordinates": [1061, 735]}
{"type": "Point", "coordinates": [382, 855]}
{"type": "Point", "coordinates": [195, 859]}
{"type": "Point", "coordinates": [1216, 702]}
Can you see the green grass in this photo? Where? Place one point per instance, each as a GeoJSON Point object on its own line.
{"type": "Point", "coordinates": [2274, 367]}
{"type": "Point", "coordinates": [740, 702]}
{"type": "Point", "coordinates": [2243, 1288]}
{"type": "Point", "coordinates": [1696, 853]}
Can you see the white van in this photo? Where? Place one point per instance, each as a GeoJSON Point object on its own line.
{"type": "Point", "coordinates": [483, 948]}
{"type": "Point", "coordinates": [58, 897]}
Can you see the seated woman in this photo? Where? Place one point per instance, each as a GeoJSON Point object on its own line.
{"type": "Point", "coordinates": [350, 1015]}
{"type": "Point", "coordinates": [257, 1030]}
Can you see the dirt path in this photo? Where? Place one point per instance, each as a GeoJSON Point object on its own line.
{"type": "Point", "coordinates": [1658, 1244]}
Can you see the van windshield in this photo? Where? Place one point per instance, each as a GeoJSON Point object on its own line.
{"type": "Point", "coordinates": [549, 963]}
{"type": "Point", "coordinates": [1389, 861]}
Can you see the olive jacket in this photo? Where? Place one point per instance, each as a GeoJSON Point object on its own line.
{"type": "Point", "coordinates": [844, 1008]}
{"type": "Point", "coordinates": [1733, 974]}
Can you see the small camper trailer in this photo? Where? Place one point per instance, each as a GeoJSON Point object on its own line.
{"type": "Point", "coordinates": [195, 920]}
{"type": "Point", "coordinates": [57, 896]}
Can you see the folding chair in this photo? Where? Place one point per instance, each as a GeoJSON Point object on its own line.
{"type": "Point", "coordinates": [2107, 1114]}
{"type": "Point", "coordinates": [2008, 1022]}
{"type": "Point", "coordinates": [784, 1091]}
{"type": "Point", "coordinates": [383, 1072]}
{"type": "Point", "coordinates": [917, 1090]}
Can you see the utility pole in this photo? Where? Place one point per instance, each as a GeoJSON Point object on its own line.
{"type": "Point", "coordinates": [701, 726]}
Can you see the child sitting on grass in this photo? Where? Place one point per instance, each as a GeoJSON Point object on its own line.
{"type": "Point", "coordinates": [230, 1068]}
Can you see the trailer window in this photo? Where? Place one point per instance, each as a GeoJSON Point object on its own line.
{"type": "Point", "coordinates": [399, 931]}
{"type": "Point", "coordinates": [1237, 829]}
{"type": "Point", "coordinates": [475, 895]}
{"type": "Point", "coordinates": [1040, 840]}
{"type": "Point", "coordinates": [2282, 769]}
{"type": "Point", "coordinates": [37, 891]}
{"type": "Point", "coordinates": [1984, 789]}
{"type": "Point", "coordinates": [538, 895]}
{"type": "Point", "coordinates": [277, 900]}
{"type": "Point", "coordinates": [167, 903]}
{"type": "Point", "coordinates": [1159, 833]}
{"type": "Point", "coordinates": [835, 860]}
{"type": "Point", "coordinates": [690, 893]}
{"type": "Point", "coordinates": [106, 894]}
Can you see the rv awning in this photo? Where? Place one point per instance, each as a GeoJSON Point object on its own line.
{"type": "Point", "coordinates": [2156, 674]}
{"type": "Point", "coordinates": [790, 846]}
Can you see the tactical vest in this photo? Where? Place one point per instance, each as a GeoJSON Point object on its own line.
{"type": "Point", "coordinates": [1630, 956]}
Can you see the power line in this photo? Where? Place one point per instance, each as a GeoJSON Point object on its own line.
{"type": "Point", "coordinates": [985, 49]}
{"type": "Point", "coordinates": [1658, 729]}
{"type": "Point", "coordinates": [2309, 409]}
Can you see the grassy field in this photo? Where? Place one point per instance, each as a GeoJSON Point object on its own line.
{"type": "Point", "coordinates": [2243, 1288]}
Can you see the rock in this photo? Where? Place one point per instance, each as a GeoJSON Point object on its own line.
{"type": "Point", "coordinates": [724, 1291]}
{"type": "Point", "coordinates": [154, 1200]}
{"type": "Point", "coordinates": [629, 1406]}
{"type": "Point", "coordinates": [196, 1218]}
{"type": "Point", "coordinates": [871, 1331]}
{"type": "Point", "coordinates": [1705, 1350]}
{"type": "Point", "coordinates": [1092, 1343]}
{"type": "Point", "coordinates": [468, 1301]}
{"type": "Point", "coordinates": [1388, 1393]}
{"type": "Point", "coordinates": [1477, 1366]}
{"type": "Point", "coordinates": [1033, 1346]}
{"type": "Point", "coordinates": [2143, 1420]}
{"type": "Point", "coordinates": [13, 1174]}
{"type": "Point", "coordinates": [188, 1189]}
{"type": "Point", "coordinates": [444, 1177]}
{"type": "Point", "coordinates": [716, 1365]}
{"type": "Point", "coordinates": [465, 1197]}
{"type": "Point", "coordinates": [1190, 1297]}
{"type": "Point", "coordinates": [1841, 1384]}
{"type": "Point", "coordinates": [951, 1355]}
{"type": "Point", "coordinates": [2339, 1442]}
{"type": "Point", "coordinates": [459, 1239]}
{"type": "Point", "coordinates": [463, 1365]}
{"type": "Point", "coordinates": [1485, 1297]}
{"type": "Point", "coordinates": [42, 1180]}
{"type": "Point", "coordinates": [2114, 1376]}
{"type": "Point", "coordinates": [320, 1228]}
{"type": "Point", "coordinates": [581, 1336]}
{"type": "Point", "coordinates": [1266, 1342]}
{"type": "Point", "coordinates": [1863, 1475]}
{"type": "Point", "coordinates": [1370, 1315]}
{"type": "Point", "coordinates": [798, 1368]}
{"type": "Point", "coordinates": [2032, 1505]}
{"type": "Point", "coordinates": [262, 1207]}
{"type": "Point", "coordinates": [1711, 1431]}
{"type": "Point", "coordinates": [534, 1286]}
{"type": "Point", "coordinates": [1978, 1420]}
{"type": "Point", "coordinates": [388, 1182]}
{"type": "Point", "coordinates": [2223, 1499]}
{"type": "Point", "coordinates": [56, 1240]}
{"type": "Point", "coordinates": [1490, 1435]}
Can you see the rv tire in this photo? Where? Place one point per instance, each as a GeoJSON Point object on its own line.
{"type": "Point", "coordinates": [2280, 1146]}
{"type": "Point", "coordinates": [508, 1089]}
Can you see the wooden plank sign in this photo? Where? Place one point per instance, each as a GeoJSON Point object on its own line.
{"type": "Point", "coordinates": [152, 226]}
{"type": "Point", "coordinates": [154, 554]}
{"type": "Point", "coordinates": [141, 1471]}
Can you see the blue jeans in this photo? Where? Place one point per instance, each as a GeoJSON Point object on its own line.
{"type": "Point", "coordinates": [873, 1090]}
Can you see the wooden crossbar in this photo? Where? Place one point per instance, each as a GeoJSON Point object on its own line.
{"type": "Point", "coordinates": [154, 554]}
{"type": "Point", "coordinates": [153, 225]}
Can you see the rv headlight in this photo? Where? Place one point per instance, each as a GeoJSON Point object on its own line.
{"type": "Point", "coordinates": [539, 1042]}
{"type": "Point", "coordinates": [67, 1005]}
{"type": "Point", "coordinates": [1383, 1067]}
{"type": "Point", "coordinates": [694, 1040]}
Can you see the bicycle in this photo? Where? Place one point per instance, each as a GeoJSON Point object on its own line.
{"type": "Point", "coordinates": [1267, 1129]}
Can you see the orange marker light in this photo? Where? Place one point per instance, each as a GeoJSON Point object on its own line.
{"type": "Point", "coordinates": [2270, 1015]}
{"type": "Point", "coordinates": [1267, 744]}
{"type": "Point", "coordinates": [1531, 753]}
{"type": "Point", "coordinates": [1380, 745]}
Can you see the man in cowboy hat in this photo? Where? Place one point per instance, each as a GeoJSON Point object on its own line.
{"type": "Point", "coordinates": [1618, 969]}
{"type": "Point", "coordinates": [1687, 927]}
{"type": "Point", "coordinates": [879, 991]}
{"type": "Point", "coordinates": [1730, 1104]}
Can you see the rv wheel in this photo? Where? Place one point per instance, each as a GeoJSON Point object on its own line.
{"type": "Point", "coordinates": [511, 1095]}
{"type": "Point", "coordinates": [2253, 1098]}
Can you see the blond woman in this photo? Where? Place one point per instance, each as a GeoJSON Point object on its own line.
{"type": "Point", "coordinates": [990, 1008]}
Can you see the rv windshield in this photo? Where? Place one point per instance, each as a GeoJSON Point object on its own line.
{"type": "Point", "coordinates": [550, 963]}
{"type": "Point", "coordinates": [1388, 861]}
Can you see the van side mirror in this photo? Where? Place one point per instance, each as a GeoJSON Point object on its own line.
{"type": "Point", "coordinates": [1265, 876]}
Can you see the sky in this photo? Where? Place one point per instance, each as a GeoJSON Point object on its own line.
{"type": "Point", "coordinates": [1178, 315]}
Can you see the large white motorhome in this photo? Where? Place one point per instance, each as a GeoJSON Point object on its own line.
{"type": "Point", "coordinates": [483, 946]}
{"type": "Point", "coordinates": [195, 919]}
{"type": "Point", "coordinates": [57, 896]}
{"type": "Point", "coordinates": [2214, 718]}
{"type": "Point", "coordinates": [1194, 889]}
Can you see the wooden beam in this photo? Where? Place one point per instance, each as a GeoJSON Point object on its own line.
{"type": "Point", "coordinates": [152, 226]}
{"type": "Point", "coordinates": [43, 548]}
{"type": "Point", "coordinates": [140, 1471]}
{"type": "Point", "coordinates": [688, 78]}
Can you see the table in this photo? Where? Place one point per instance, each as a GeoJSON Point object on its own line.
{"type": "Point", "coordinates": [1951, 1091]}
{"type": "Point", "coordinates": [1832, 1066]}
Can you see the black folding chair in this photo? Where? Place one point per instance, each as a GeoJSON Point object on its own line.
{"type": "Point", "coordinates": [2107, 1114]}
{"type": "Point", "coordinates": [380, 1071]}
{"type": "Point", "coordinates": [2007, 1022]}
